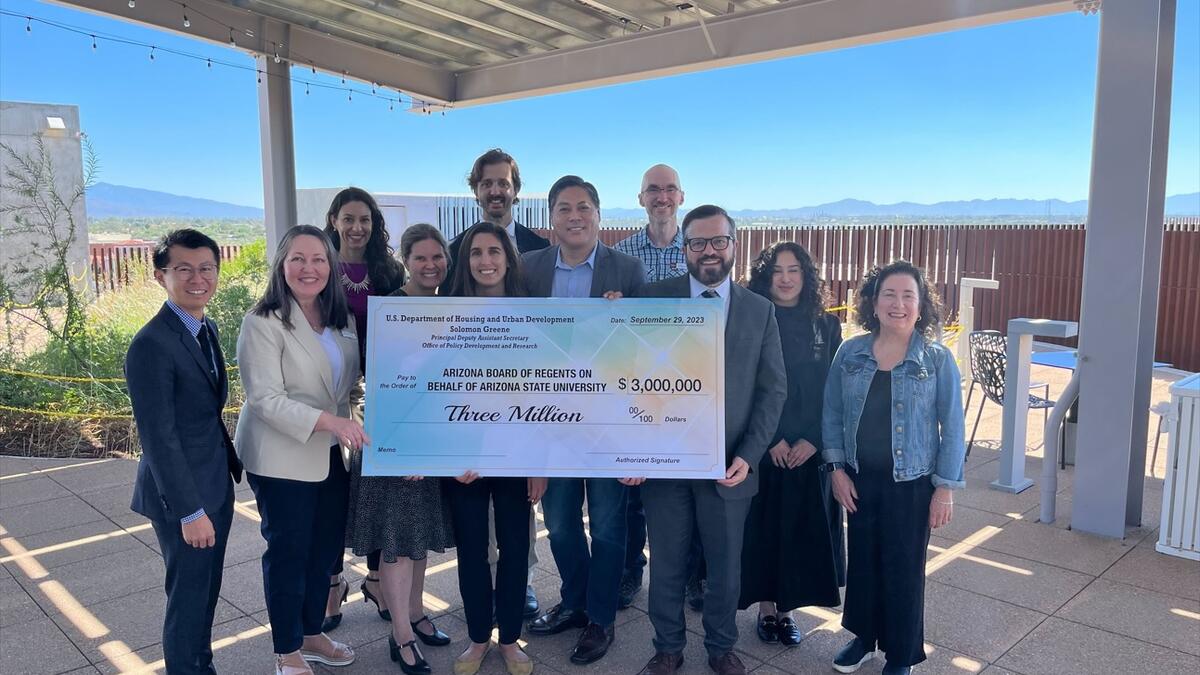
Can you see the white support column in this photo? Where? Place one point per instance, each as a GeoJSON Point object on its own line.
{"type": "Point", "coordinates": [1122, 261]}
{"type": "Point", "coordinates": [278, 152]}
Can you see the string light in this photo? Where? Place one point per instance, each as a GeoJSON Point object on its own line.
{"type": "Point", "coordinates": [186, 22]}
{"type": "Point", "coordinates": [208, 61]}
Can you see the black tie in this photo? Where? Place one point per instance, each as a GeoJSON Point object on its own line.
{"type": "Point", "coordinates": [710, 293]}
{"type": "Point", "coordinates": [206, 347]}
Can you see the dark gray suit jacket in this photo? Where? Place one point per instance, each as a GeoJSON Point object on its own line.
{"type": "Point", "coordinates": [755, 377]}
{"type": "Point", "coordinates": [187, 455]}
{"type": "Point", "coordinates": [614, 271]}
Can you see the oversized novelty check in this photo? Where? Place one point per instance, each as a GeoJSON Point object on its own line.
{"type": "Point", "coordinates": [545, 387]}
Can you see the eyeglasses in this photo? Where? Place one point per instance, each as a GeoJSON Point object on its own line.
{"type": "Point", "coordinates": [654, 190]}
{"type": "Point", "coordinates": [186, 272]}
{"type": "Point", "coordinates": [698, 244]}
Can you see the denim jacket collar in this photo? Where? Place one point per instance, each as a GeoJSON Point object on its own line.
{"type": "Point", "coordinates": [917, 354]}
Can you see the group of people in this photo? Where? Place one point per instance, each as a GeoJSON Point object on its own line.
{"type": "Point", "coordinates": [814, 426]}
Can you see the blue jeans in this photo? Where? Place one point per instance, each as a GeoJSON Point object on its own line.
{"type": "Point", "coordinates": [591, 580]}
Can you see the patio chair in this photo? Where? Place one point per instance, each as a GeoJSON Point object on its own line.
{"type": "Point", "coordinates": [1162, 409]}
{"type": "Point", "coordinates": [990, 341]}
{"type": "Point", "coordinates": [992, 367]}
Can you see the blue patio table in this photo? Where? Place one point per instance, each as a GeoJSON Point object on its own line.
{"type": "Point", "coordinates": [1067, 359]}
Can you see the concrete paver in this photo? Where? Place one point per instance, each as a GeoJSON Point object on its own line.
{"type": "Point", "coordinates": [1060, 647]}
{"type": "Point", "coordinates": [36, 647]}
{"type": "Point", "coordinates": [1138, 613]}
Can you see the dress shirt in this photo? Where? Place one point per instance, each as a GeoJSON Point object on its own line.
{"type": "Point", "coordinates": [660, 263]}
{"type": "Point", "coordinates": [721, 289]}
{"type": "Point", "coordinates": [573, 282]}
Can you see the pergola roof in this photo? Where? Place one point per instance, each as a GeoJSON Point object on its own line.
{"type": "Point", "coordinates": [469, 52]}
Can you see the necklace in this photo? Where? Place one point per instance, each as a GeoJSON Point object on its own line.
{"type": "Point", "coordinates": [356, 286]}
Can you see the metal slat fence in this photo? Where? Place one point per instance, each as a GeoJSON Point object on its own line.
{"type": "Point", "coordinates": [1039, 266]}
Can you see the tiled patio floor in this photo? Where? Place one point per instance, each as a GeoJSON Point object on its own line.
{"type": "Point", "coordinates": [81, 587]}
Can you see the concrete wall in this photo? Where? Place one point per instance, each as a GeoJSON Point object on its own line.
{"type": "Point", "coordinates": [20, 123]}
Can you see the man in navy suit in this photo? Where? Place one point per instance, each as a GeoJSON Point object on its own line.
{"type": "Point", "coordinates": [177, 384]}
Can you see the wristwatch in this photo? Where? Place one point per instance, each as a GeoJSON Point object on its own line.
{"type": "Point", "coordinates": [830, 467]}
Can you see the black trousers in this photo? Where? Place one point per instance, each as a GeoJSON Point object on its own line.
{"type": "Point", "coordinates": [469, 511]}
{"type": "Point", "coordinates": [193, 584]}
{"type": "Point", "coordinates": [305, 527]}
{"type": "Point", "coordinates": [885, 579]}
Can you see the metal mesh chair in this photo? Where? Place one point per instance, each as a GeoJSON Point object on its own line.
{"type": "Point", "coordinates": [989, 341]}
{"type": "Point", "coordinates": [992, 369]}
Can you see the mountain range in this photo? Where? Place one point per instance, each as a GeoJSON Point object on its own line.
{"type": "Point", "coordinates": [105, 200]}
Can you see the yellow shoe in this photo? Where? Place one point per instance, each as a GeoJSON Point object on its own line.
{"type": "Point", "coordinates": [464, 665]}
{"type": "Point", "coordinates": [517, 667]}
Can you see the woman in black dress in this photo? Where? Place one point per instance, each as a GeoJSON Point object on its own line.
{"type": "Point", "coordinates": [792, 552]}
{"type": "Point", "coordinates": [399, 520]}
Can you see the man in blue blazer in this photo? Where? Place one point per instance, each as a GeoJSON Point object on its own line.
{"type": "Point", "coordinates": [581, 266]}
{"type": "Point", "coordinates": [178, 387]}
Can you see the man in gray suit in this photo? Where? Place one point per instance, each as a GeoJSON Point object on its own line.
{"type": "Point", "coordinates": [580, 266]}
{"type": "Point", "coordinates": [755, 390]}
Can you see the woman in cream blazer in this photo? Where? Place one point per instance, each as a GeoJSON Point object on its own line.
{"type": "Point", "coordinates": [298, 356]}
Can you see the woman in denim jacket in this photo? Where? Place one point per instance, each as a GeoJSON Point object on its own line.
{"type": "Point", "coordinates": [892, 427]}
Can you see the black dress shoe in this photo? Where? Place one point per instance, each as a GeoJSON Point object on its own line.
{"type": "Point", "coordinates": [368, 596]}
{"type": "Point", "coordinates": [593, 643]}
{"type": "Point", "coordinates": [789, 632]}
{"type": "Point", "coordinates": [435, 639]}
{"type": "Point", "coordinates": [768, 628]}
{"type": "Point", "coordinates": [630, 585]}
{"type": "Point", "coordinates": [695, 594]}
{"type": "Point", "coordinates": [889, 669]}
{"type": "Point", "coordinates": [557, 620]}
{"type": "Point", "coordinates": [531, 604]}
{"type": "Point", "coordinates": [419, 667]}
{"type": "Point", "coordinates": [853, 655]}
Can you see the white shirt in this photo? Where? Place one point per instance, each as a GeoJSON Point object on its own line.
{"type": "Point", "coordinates": [329, 343]}
{"type": "Point", "coordinates": [722, 290]}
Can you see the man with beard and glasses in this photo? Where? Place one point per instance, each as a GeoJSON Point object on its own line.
{"type": "Point", "coordinates": [495, 180]}
{"type": "Point", "coordinates": [755, 390]}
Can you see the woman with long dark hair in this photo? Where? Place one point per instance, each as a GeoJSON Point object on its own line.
{"type": "Point", "coordinates": [488, 266]}
{"type": "Point", "coordinates": [791, 553]}
{"type": "Point", "coordinates": [893, 433]}
{"type": "Point", "coordinates": [298, 357]}
{"type": "Point", "coordinates": [366, 266]}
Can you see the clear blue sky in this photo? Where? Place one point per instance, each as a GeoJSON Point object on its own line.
{"type": "Point", "coordinates": [1002, 111]}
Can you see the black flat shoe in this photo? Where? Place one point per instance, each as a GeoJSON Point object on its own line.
{"type": "Point", "coordinates": [768, 629]}
{"type": "Point", "coordinates": [368, 596]}
{"type": "Point", "coordinates": [789, 633]}
{"type": "Point", "coordinates": [420, 665]}
{"type": "Point", "coordinates": [435, 639]}
{"type": "Point", "coordinates": [334, 621]}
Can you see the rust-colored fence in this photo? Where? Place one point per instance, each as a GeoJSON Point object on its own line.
{"type": "Point", "coordinates": [1039, 267]}
{"type": "Point", "coordinates": [116, 265]}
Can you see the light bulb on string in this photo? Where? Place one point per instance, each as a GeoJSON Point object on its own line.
{"type": "Point", "coordinates": [306, 89]}
{"type": "Point", "coordinates": [151, 53]}
{"type": "Point", "coordinates": [28, 24]}
{"type": "Point", "coordinates": [231, 41]}
{"type": "Point", "coordinates": [343, 77]}
{"type": "Point", "coordinates": [93, 43]}
{"type": "Point", "coordinates": [259, 75]}
{"type": "Point", "coordinates": [186, 23]}
{"type": "Point", "coordinates": [372, 88]}
{"type": "Point", "coordinates": [210, 64]}
{"type": "Point", "coordinates": [132, 4]}
{"type": "Point", "coordinates": [350, 96]}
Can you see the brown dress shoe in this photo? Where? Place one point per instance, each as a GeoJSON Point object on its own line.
{"type": "Point", "coordinates": [727, 664]}
{"type": "Point", "coordinates": [593, 643]}
{"type": "Point", "coordinates": [663, 664]}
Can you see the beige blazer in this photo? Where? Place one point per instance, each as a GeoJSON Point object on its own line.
{"type": "Point", "coordinates": [288, 384]}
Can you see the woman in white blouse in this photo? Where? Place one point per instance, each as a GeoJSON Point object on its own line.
{"type": "Point", "coordinates": [298, 356]}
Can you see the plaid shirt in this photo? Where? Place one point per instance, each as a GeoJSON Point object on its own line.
{"type": "Point", "coordinates": [660, 263]}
